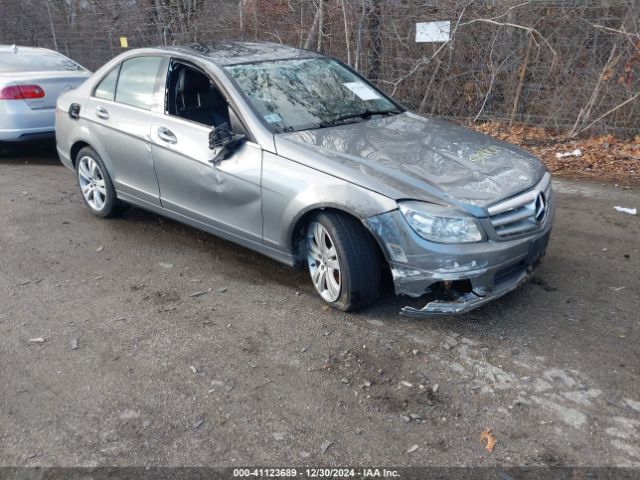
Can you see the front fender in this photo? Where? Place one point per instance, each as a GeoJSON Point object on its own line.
{"type": "Point", "coordinates": [291, 190]}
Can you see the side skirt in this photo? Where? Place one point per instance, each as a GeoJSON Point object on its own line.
{"type": "Point", "coordinates": [277, 255]}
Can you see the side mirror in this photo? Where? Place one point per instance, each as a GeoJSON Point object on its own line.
{"type": "Point", "coordinates": [223, 142]}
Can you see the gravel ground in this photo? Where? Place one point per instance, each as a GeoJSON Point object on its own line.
{"type": "Point", "coordinates": [136, 369]}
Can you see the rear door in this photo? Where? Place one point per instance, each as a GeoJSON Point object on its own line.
{"type": "Point", "coordinates": [120, 110]}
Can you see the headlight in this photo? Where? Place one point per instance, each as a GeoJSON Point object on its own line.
{"type": "Point", "coordinates": [440, 224]}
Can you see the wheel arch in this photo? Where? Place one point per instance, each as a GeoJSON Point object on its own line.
{"type": "Point", "coordinates": [297, 233]}
{"type": "Point", "coordinates": [75, 149]}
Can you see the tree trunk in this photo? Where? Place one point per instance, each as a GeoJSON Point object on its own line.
{"type": "Point", "coordinates": [375, 52]}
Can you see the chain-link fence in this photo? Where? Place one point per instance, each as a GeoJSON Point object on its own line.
{"type": "Point", "coordinates": [569, 64]}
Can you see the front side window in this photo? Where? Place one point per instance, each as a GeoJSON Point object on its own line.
{"type": "Point", "coordinates": [308, 93]}
{"type": "Point", "coordinates": [106, 89]}
{"type": "Point", "coordinates": [137, 80]}
{"type": "Point", "coordinates": [193, 96]}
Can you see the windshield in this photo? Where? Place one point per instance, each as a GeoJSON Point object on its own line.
{"type": "Point", "coordinates": [308, 93]}
{"type": "Point", "coordinates": [36, 61]}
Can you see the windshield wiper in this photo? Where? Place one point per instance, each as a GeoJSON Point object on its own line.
{"type": "Point", "coordinates": [366, 114]}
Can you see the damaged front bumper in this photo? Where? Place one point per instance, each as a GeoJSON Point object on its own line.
{"type": "Point", "coordinates": [461, 277]}
{"type": "Point", "coordinates": [468, 301]}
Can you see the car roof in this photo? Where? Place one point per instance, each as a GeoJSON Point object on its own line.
{"type": "Point", "coordinates": [234, 53]}
{"type": "Point", "coordinates": [18, 49]}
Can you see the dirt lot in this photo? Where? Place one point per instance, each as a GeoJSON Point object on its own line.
{"type": "Point", "coordinates": [257, 371]}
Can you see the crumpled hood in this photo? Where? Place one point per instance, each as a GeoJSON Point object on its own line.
{"type": "Point", "coordinates": [411, 157]}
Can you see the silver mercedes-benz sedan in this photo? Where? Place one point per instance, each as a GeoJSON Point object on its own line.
{"type": "Point", "coordinates": [30, 81]}
{"type": "Point", "coordinates": [295, 155]}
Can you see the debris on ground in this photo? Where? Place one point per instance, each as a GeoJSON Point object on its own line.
{"type": "Point", "coordinates": [406, 384]}
{"type": "Point", "coordinates": [165, 265]}
{"type": "Point", "coordinates": [129, 414]}
{"type": "Point", "coordinates": [74, 344]}
{"type": "Point", "coordinates": [100, 248]}
{"type": "Point", "coordinates": [325, 446]}
{"type": "Point", "coordinates": [198, 294]}
{"type": "Point", "coordinates": [617, 289]}
{"type": "Point", "coordinates": [37, 340]}
{"type": "Point", "coordinates": [491, 440]}
{"type": "Point", "coordinates": [198, 423]}
{"type": "Point", "coordinates": [630, 211]}
{"type": "Point", "coordinates": [194, 369]}
{"type": "Point", "coordinates": [221, 290]}
{"type": "Point", "coordinates": [576, 153]}
{"type": "Point", "coordinates": [412, 448]}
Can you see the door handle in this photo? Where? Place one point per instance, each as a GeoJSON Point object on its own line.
{"type": "Point", "coordinates": [101, 112]}
{"type": "Point", "coordinates": [167, 135]}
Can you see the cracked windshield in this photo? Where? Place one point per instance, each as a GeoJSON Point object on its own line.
{"type": "Point", "coordinates": [309, 93]}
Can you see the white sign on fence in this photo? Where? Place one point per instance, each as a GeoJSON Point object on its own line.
{"type": "Point", "coordinates": [433, 31]}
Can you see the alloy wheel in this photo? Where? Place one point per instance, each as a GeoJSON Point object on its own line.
{"type": "Point", "coordinates": [92, 183]}
{"type": "Point", "coordinates": [324, 265]}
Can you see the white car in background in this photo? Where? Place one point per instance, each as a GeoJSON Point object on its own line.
{"type": "Point", "coordinates": [31, 79]}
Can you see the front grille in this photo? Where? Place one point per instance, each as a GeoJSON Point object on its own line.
{"type": "Point", "coordinates": [523, 213]}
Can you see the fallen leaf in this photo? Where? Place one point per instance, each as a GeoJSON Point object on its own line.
{"type": "Point", "coordinates": [491, 440]}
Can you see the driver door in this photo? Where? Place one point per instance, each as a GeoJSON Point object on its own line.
{"type": "Point", "coordinates": [225, 195]}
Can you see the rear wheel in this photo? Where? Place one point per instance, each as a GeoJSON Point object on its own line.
{"type": "Point", "coordinates": [343, 261]}
{"type": "Point", "coordinates": [95, 184]}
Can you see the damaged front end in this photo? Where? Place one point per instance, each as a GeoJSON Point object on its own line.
{"type": "Point", "coordinates": [456, 302]}
{"type": "Point", "coordinates": [457, 278]}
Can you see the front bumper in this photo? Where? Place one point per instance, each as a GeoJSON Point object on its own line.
{"type": "Point", "coordinates": [487, 270]}
{"type": "Point", "coordinates": [470, 300]}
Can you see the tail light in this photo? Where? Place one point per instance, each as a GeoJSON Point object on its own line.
{"type": "Point", "coordinates": [21, 92]}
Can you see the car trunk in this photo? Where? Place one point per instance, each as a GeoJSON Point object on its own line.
{"type": "Point", "coordinates": [53, 84]}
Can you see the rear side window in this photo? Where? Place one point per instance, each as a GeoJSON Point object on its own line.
{"type": "Point", "coordinates": [36, 61]}
{"type": "Point", "coordinates": [137, 81]}
{"type": "Point", "coordinates": [106, 89]}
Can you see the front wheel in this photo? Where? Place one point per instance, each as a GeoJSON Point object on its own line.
{"type": "Point", "coordinates": [343, 261]}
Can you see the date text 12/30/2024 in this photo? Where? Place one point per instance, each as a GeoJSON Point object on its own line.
{"type": "Point", "coordinates": [315, 473]}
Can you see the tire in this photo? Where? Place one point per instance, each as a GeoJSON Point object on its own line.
{"type": "Point", "coordinates": [359, 273]}
{"type": "Point", "coordinates": [96, 187]}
